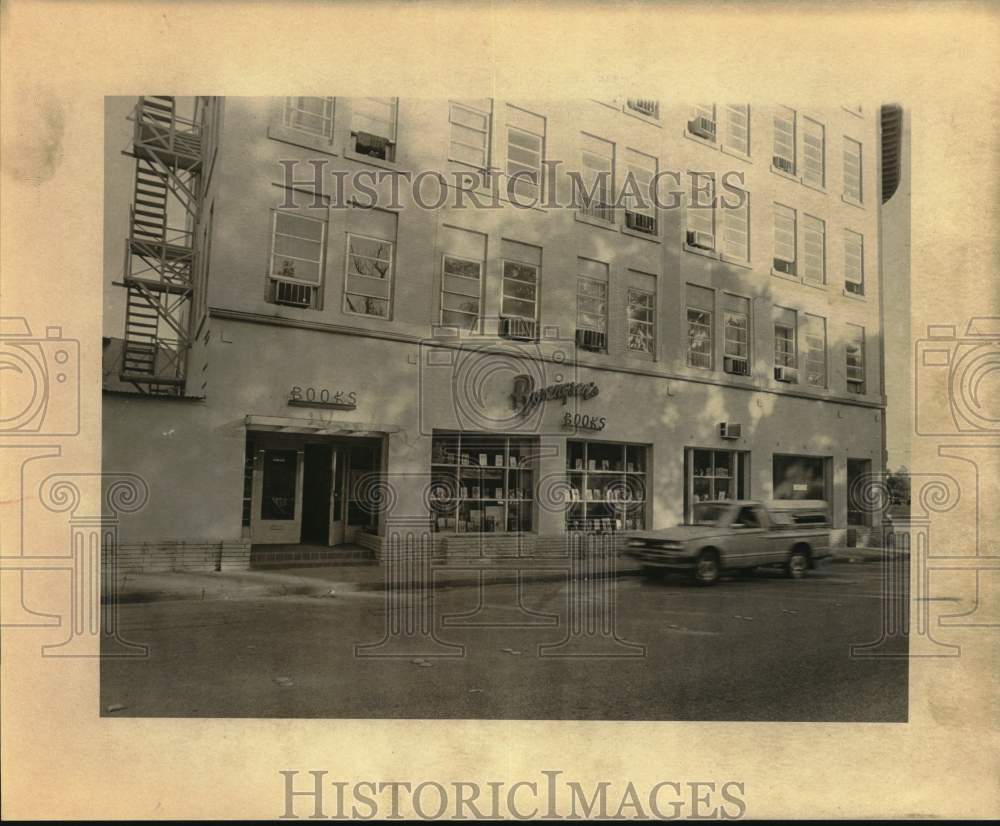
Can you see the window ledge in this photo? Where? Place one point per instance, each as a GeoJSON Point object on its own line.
{"type": "Point", "coordinates": [852, 202]}
{"type": "Point", "coordinates": [736, 153]}
{"type": "Point", "coordinates": [640, 354]}
{"type": "Point", "coordinates": [854, 296]}
{"type": "Point", "coordinates": [373, 161]}
{"type": "Point", "coordinates": [786, 175]}
{"type": "Point", "coordinates": [305, 140]}
{"type": "Point", "coordinates": [699, 251]}
{"type": "Point", "coordinates": [699, 139]}
{"type": "Point", "coordinates": [640, 116]}
{"type": "Point", "coordinates": [815, 187]}
{"type": "Point", "coordinates": [785, 275]}
{"type": "Point", "coordinates": [645, 236]}
{"type": "Point", "coordinates": [595, 222]}
{"type": "Point", "coordinates": [815, 285]}
{"type": "Point", "coordinates": [736, 262]}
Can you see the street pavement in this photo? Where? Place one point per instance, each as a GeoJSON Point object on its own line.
{"type": "Point", "coordinates": [761, 647]}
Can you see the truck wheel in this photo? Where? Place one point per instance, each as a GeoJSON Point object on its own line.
{"type": "Point", "coordinates": [798, 563]}
{"type": "Point", "coordinates": [706, 569]}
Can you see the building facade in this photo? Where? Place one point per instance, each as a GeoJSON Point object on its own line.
{"type": "Point", "coordinates": [464, 321]}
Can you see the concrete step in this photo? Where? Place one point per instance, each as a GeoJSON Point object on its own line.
{"type": "Point", "coordinates": [304, 556]}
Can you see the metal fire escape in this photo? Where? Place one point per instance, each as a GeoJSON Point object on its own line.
{"type": "Point", "coordinates": [159, 267]}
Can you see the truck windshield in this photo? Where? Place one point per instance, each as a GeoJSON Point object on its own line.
{"type": "Point", "coordinates": [707, 514]}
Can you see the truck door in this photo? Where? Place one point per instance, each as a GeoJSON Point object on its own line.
{"type": "Point", "coordinates": [751, 538]}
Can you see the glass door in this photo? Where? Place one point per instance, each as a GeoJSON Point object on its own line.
{"type": "Point", "coordinates": [277, 499]}
{"type": "Point", "coordinates": [338, 470]}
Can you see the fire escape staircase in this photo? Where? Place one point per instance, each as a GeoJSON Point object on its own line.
{"type": "Point", "coordinates": [159, 259]}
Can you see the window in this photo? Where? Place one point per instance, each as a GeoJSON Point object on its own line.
{"type": "Point", "coordinates": [786, 359]}
{"type": "Point", "coordinates": [298, 251]}
{"type": "Point", "coordinates": [784, 140]}
{"type": "Point", "coordinates": [592, 305]}
{"type": "Point", "coordinates": [469, 137]}
{"type": "Point", "coordinates": [852, 170]}
{"type": "Point", "coordinates": [640, 208]}
{"type": "Point", "coordinates": [371, 243]}
{"type": "Point", "coordinates": [641, 311]}
{"type": "Point", "coordinates": [482, 484]}
{"type": "Point", "coordinates": [813, 250]}
{"type": "Point", "coordinates": [737, 136]}
{"type": "Point", "coordinates": [736, 342]}
{"type": "Point", "coordinates": [855, 359]}
{"type": "Point", "coordinates": [815, 333]}
{"type": "Point", "coordinates": [715, 475]}
{"type": "Point", "coordinates": [736, 230]}
{"type": "Point", "coordinates": [702, 121]}
{"type": "Point", "coordinates": [701, 212]}
{"type": "Point", "coordinates": [607, 486]}
{"type": "Point", "coordinates": [799, 477]}
{"type": "Point", "coordinates": [312, 115]}
{"type": "Point", "coordinates": [521, 272]}
{"type": "Point", "coordinates": [373, 127]}
{"type": "Point", "coordinates": [700, 309]}
{"type": "Point", "coordinates": [813, 153]}
{"type": "Point", "coordinates": [525, 151]}
{"type": "Point", "coordinates": [598, 158]}
{"type": "Point", "coordinates": [854, 264]}
{"type": "Point", "coordinates": [784, 239]}
{"type": "Point", "coordinates": [462, 278]}
{"type": "Point", "coordinates": [649, 108]}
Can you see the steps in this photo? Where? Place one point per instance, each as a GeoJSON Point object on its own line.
{"type": "Point", "coordinates": [309, 556]}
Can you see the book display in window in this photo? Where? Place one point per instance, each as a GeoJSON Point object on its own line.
{"type": "Point", "coordinates": [607, 487]}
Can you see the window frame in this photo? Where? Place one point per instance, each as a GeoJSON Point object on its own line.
{"type": "Point", "coordinates": [777, 209]}
{"type": "Point", "coordinates": [488, 133]}
{"type": "Point", "coordinates": [503, 283]}
{"type": "Point", "coordinates": [288, 122]}
{"type": "Point", "coordinates": [848, 197]}
{"type": "Point", "coordinates": [390, 141]}
{"type": "Point", "coordinates": [860, 293]}
{"type": "Point", "coordinates": [813, 321]}
{"type": "Point", "coordinates": [861, 366]}
{"type": "Point", "coordinates": [747, 341]}
{"type": "Point", "coordinates": [478, 329]}
{"type": "Point", "coordinates": [793, 141]}
{"type": "Point", "coordinates": [692, 210]}
{"type": "Point", "coordinates": [706, 325]}
{"type": "Point", "coordinates": [390, 298]}
{"type": "Point", "coordinates": [651, 323]}
{"type": "Point", "coordinates": [803, 136]}
{"type": "Point", "coordinates": [819, 228]}
{"type": "Point", "coordinates": [786, 357]}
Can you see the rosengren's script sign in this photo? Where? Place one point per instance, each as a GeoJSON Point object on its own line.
{"type": "Point", "coordinates": [524, 398]}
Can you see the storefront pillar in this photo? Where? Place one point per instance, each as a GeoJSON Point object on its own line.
{"type": "Point", "coordinates": [553, 488]}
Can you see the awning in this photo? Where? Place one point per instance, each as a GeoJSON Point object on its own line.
{"type": "Point", "coordinates": [316, 427]}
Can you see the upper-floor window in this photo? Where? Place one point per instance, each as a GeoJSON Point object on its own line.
{"type": "Point", "coordinates": [470, 129]}
{"type": "Point", "coordinates": [786, 356]}
{"type": "Point", "coordinates": [784, 140]}
{"type": "Point", "coordinates": [813, 250]}
{"type": "Point", "coordinates": [852, 170]}
{"type": "Point", "coordinates": [522, 265]}
{"type": "Point", "coordinates": [855, 359]}
{"type": "Point", "coordinates": [784, 239]}
{"type": "Point", "coordinates": [737, 131]}
{"type": "Point", "coordinates": [813, 153]}
{"type": "Point", "coordinates": [370, 268]}
{"type": "Point", "coordinates": [462, 265]}
{"type": "Point", "coordinates": [644, 106]}
{"type": "Point", "coordinates": [700, 314]}
{"type": "Point", "coordinates": [736, 345]}
{"type": "Point", "coordinates": [736, 227]}
{"type": "Point", "coordinates": [373, 127]}
{"type": "Point", "coordinates": [640, 207]}
{"type": "Point", "coordinates": [854, 262]}
{"type": "Point", "coordinates": [641, 313]}
{"type": "Point", "coordinates": [702, 122]}
{"type": "Point", "coordinates": [592, 305]}
{"type": "Point", "coordinates": [727, 125]}
{"type": "Point", "coordinates": [598, 168]}
{"type": "Point", "coordinates": [700, 231]}
{"type": "Point", "coordinates": [298, 252]}
{"type": "Point", "coordinates": [312, 115]}
{"type": "Point", "coordinates": [815, 335]}
{"type": "Point", "coordinates": [525, 152]}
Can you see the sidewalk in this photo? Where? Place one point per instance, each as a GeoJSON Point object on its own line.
{"type": "Point", "coordinates": [855, 555]}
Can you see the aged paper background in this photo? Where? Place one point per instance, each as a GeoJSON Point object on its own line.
{"type": "Point", "coordinates": [60, 759]}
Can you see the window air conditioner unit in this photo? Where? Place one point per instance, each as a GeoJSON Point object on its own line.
{"type": "Point", "coordinates": [738, 367]}
{"type": "Point", "coordinates": [701, 240]}
{"type": "Point", "coordinates": [729, 430]}
{"type": "Point", "coordinates": [786, 374]}
{"type": "Point", "coordinates": [292, 294]}
{"type": "Point", "coordinates": [651, 108]}
{"type": "Point", "coordinates": [374, 146]}
{"type": "Point", "coordinates": [702, 127]}
{"type": "Point", "coordinates": [854, 287]}
{"type": "Point", "coordinates": [521, 329]}
{"type": "Point", "coordinates": [784, 164]}
{"type": "Point", "coordinates": [592, 340]}
{"type": "Point", "coordinates": [781, 265]}
{"type": "Point", "coordinates": [640, 222]}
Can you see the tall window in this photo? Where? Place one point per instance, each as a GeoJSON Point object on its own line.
{"type": "Point", "coordinates": [813, 250]}
{"type": "Point", "coordinates": [371, 246]}
{"type": "Point", "coordinates": [852, 170]}
{"type": "Point", "coordinates": [700, 311]}
{"type": "Point", "coordinates": [607, 486]}
{"type": "Point", "coordinates": [784, 239]}
{"type": "Point", "coordinates": [855, 359]}
{"type": "Point", "coordinates": [373, 127]}
{"type": "Point", "coordinates": [298, 250]}
{"type": "Point", "coordinates": [598, 159]}
{"type": "Point", "coordinates": [785, 352]}
{"type": "Point", "coordinates": [736, 229]}
{"type": "Point", "coordinates": [815, 332]}
{"type": "Point", "coordinates": [462, 278]}
{"type": "Point", "coordinates": [592, 304]}
{"type": "Point", "coordinates": [736, 352]}
{"type": "Point", "coordinates": [701, 213]}
{"type": "Point", "coordinates": [641, 309]}
{"type": "Point", "coordinates": [854, 263]}
{"type": "Point", "coordinates": [813, 152]}
{"type": "Point", "coordinates": [784, 140]}
{"type": "Point", "coordinates": [469, 137]}
{"type": "Point", "coordinates": [640, 208]}
{"type": "Point", "coordinates": [521, 273]}
{"type": "Point", "coordinates": [312, 115]}
{"type": "Point", "coordinates": [525, 151]}
{"type": "Point", "coordinates": [737, 135]}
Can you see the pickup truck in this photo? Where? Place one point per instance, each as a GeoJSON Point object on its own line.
{"type": "Point", "coordinates": [737, 535]}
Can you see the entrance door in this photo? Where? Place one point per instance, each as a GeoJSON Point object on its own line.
{"type": "Point", "coordinates": [317, 486]}
{"type": "Point", "coordinates": [277, 505]}
{"type": "Point", "coordinates": [338, 471]}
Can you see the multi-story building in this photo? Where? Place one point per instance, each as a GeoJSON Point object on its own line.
{"type": "Point", "coordinates": [384, 315]}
